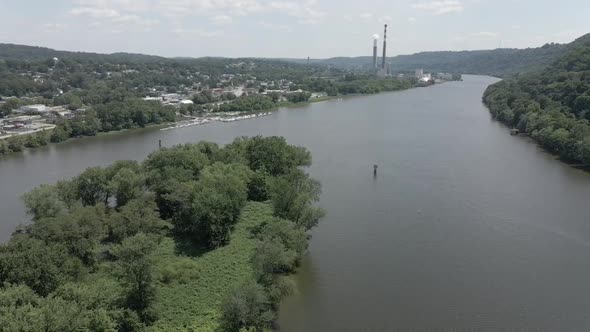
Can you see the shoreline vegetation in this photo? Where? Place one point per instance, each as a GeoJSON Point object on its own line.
{"type": "Point", "coordinates": [551, 106]}
{"type": "Point", "coordinates": [197, 237]}
{"type": "Point", "coordinates": [136, 114]}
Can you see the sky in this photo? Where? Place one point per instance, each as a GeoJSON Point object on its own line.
{"type": "Point", "coordinates": [289, 28]}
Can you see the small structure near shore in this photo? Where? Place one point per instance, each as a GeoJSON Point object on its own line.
{"type": "Point", "coordinates": [514, 132]}
{"type": "Point", "coordinates": [375, 170]}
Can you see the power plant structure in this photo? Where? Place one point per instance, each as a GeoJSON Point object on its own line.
{"type": "Point", "coordinates": [375, 39]}
{"type": "Point", "coordinates": [384, 47]}
{"type": "Point", "coordinates": [384, 69]}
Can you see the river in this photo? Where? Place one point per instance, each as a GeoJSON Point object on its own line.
{"type": "Point", "coordinates": [464, 228]}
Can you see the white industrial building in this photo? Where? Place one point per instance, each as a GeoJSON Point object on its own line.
{"type": "Point", "coordinates": [419, 73]}
{"type": "Point", "coordinates": [37, 108]}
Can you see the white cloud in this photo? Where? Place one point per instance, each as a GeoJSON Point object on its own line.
{"type": "Point", "coordinates": [94, 12]}
{"type": "Point", "coordinates": [54, 27]}
{"type": "Point", "coordinates": [134, 19]}
{"type": "Point", "coordinates": [366, 16]}
{"type": "Point", "coordinates": [484, 34]}
{"type": "Point", "coordinates": [108, 17]}
{"type": "Point", "coordinates": [121, 5]}
{"type": "Point", "coordinates": [222, 19]}
{"type": "Point", "coordinates": [273, 26]}
{"type": "Point", "coordinates": [176, 8]}
{"type": "Point", "coordinates": [219, 11]}
{"type": "Point", "coordinates": [385, 19]}
{"type": "Point", "coordinates": [196, 32]}
{"type": "Point", "coordinates": [411, 19]}
{"type": "Point", "coordinates": [440, 7]}
{"type": "Point", "coordinates": [304, 10]}
{"type": "Point", "coordinates": [284, 5]}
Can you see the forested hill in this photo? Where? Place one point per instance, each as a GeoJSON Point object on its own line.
{"type": "Point", "coordinates": [552, 105]}
{"type": "Point", "coordinates": [35, 53]}
{"type": "Point", "coordinates": [498, 62]}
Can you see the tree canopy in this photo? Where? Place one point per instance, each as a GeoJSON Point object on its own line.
{"type": "Point", "coordinates": [552, 105]}
{"type": "Point", "coordinates": [91, 257]}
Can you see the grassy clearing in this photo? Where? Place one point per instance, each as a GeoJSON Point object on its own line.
{"type": "Point", "coordinates": [192, 288]}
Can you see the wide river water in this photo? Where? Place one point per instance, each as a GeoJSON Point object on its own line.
{"type": "Point", "coordinates": [465, 228]}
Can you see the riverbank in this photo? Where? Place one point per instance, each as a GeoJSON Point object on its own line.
{"type": "Point", "coordinates": [438, 219]}
{"type": "Point", "coordinates": [555, 127]}
{"type": "Point", "coordinates": [22, 145]}
{"type": "Point", "coordinates": [5, 148]}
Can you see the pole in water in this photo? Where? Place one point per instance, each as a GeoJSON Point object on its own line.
{"type": "Point", "coordinates": [375, 170]}
{"type": "Point", "coordinates": [160, 143]}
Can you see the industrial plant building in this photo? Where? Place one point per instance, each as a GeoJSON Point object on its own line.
{"type": "Point", "coordinates": [385, 68]}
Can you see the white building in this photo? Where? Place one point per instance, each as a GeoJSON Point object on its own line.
{"type": "Point", "coordinates": [419, 73]}
{"type": "Point", "coordinates": [38, 108]}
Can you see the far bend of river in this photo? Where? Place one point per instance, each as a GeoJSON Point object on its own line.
{"type": "Point", "coordinates": [465, 228]}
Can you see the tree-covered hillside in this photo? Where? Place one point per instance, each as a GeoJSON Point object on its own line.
{"type": "Point", "coordinates": [35, 53]}
{"type": "Point", "coordinates": [552, 105]}
{"type": "Point", "coordinates": [498, 62]}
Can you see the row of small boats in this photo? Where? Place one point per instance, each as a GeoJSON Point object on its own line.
{"type": "Point", "coordinates": [238, 118]}
{"type": "Point", "coordinates": [200, 121]}
{"type": "Point", "coordinates": [188, 124]}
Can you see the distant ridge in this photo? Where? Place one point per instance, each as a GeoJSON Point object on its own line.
{"type": "Point", "coordinates": [551, 105]}
{"type": "Point", "coordinates": [36, 53]}
{"type": "Point", "coordinates": [499, 62]}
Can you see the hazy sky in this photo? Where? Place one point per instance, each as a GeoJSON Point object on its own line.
{"type": "Point", "coordinates": [289, 28]}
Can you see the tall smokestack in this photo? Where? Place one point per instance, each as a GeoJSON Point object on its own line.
{"type": "Point", "coordinates": [384, 47]}
{"type": "Point", "coordinates": [375, 38]}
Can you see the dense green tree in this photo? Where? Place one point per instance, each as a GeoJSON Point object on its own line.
{"type": "Point", "coordinates": [15, 143]}
{"type": "Point", "coordinates": [80, 231]}
{"type": "Point", "coordinates": [166, 170]}
{"type": "Point", "coordinates": [93, 186]}
{"type": "Point", "coordinates": [61, 132]}
{"type": "Point", "coordinates": [293, 196]}
{"type": "Point", "coordinates": [135, 269]}
{"type": "Point", "coordinates": [274, 155]}
{"type": "Point", "coordinates": [36, 140]}
{"type": "Point", "coordinates": [78, 309]}
{"type": "Point", "coordinates": [298, 97]}
{"type": "Point", "coordinates": [271, 257]}
{"type": "Point", "coordinates": [279, 251]}
{"type": "Point", "coordinates": [551, 105]}
{"type": "Point", "coordinates": [137, 216]}
{"type": "Point", "coordinates": [248, 104]}
{"type": "Point", "coordinates": [257, 187]}
{"type": "Point", "coordinates": [186, 157]}
{"type": "Point", "coordinates": [287, 233]}
{"type": "Point", "coordinates": [67, 191]}
{"type": "Point", "coordinates": [246, 307]}
{"type": "Point", "coordinates": [217, 200]}
{"type": "Point", "coordinates": [88, 125]}
{"type": "Point", "coordinates": [10, 104]}
{"type": "Point", "coordinates": [41, 266]}
{"type": "Point", "coordinates": [44, 202]}
{"type": "Point", "coordinates": [126, 185]}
